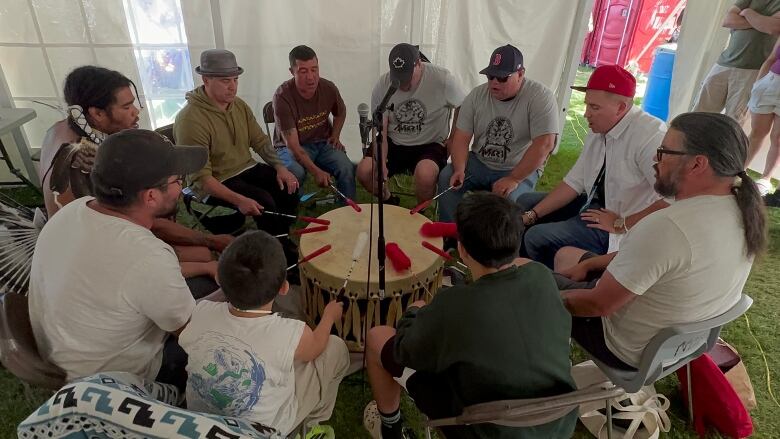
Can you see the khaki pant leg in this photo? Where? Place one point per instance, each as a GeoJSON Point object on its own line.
{"type": "Point", "coordinates": [740, 84]}
{"type": "Point", "coordinates": [317, 382]}
{"type": "Point", "coordinates": [714, 89]}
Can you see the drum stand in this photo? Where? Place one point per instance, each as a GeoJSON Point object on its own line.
{"type": "Point", "coordinates": [377, 122]}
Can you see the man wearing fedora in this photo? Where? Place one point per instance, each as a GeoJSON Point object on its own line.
{"type": "Point", "coordinates": [417, 129]}
{"type": "Point", "coordinates": [607, 190]}
{"type": "Point", "coordinates": [218, 119]}
{"type": "Point", "coordinates": [513, 121]}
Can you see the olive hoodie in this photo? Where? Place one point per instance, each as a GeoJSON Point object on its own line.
{"type": "Point", "coordinates": [227, 134]}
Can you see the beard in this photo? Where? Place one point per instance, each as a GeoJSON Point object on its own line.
{"type": "Point", "coordinates": [667, 186]}
{"type": "Point", "coordinates": [169, 211]}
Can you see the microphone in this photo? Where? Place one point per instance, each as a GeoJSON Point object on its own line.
{"type": "Point", "coordinates": [394, 84]}
{"type": "Point", "coordinates": [363, 110]}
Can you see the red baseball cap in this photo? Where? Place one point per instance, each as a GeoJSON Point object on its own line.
{"type": "Point", "coordinates": [612, 79]}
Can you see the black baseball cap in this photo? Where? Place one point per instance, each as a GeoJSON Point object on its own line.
{"type": "Point", "coordinates": [133, 160]}
{"type": "Point", "coordinates": [402, 59]}
{"type": "Point", "coordinates": [504, 61]}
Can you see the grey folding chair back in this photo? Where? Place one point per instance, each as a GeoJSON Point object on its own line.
{"type": "Point", "coordinates": [673, 348]}
{"type": "Point", "coordinates": [529, 412]}
{"type": "Point", "coordinates": [268, 118]}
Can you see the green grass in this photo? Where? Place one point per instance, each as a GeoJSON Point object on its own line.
{"type": "Point", "coordinates": [16, 402]}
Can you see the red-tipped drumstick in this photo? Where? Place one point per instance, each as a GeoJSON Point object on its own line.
{"type": "Point", "coordinates": [446, 256]}
{"type": "Point", "coordinates": [310, 256]}
{"type": "Point", "coordinates": [308, 219]}
{"type": "Point", "coordinates": [427, 203]}
{"type": "Point", "coordinates": [304, 231]}
{"type": "Point", "coordinates": [439, 229]}
{"type": "Point", "coordinates": [346, 199]}
{"type": "Point", "coordinates": [402, 263]}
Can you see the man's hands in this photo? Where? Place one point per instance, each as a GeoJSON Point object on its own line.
{"type": "Point", "coordinates": [457, 179]}
{"type": "Point", "coordinates": [334, 142]}
{"type": "Point", "coordinates": [602, 219]}
{"type": "Point", "coordinates": [248, 206]}
{"type": "Point", "coordinates": [286, 178]}
{"type": "Point", "coordinates": [505, 185]}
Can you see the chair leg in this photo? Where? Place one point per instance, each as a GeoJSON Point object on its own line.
{"type": "Point", "coordinates": [690, 392]}
{"type": "Point", "coordinates": [609, 420]}
{"type": "Point", "coordinates": [427, 432]}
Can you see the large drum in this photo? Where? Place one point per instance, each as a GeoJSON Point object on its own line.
{"type": "Point", "coordinates": [323, 277]}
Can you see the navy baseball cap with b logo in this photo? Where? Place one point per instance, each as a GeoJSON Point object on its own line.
{"type": "Point", "coordinates": [504, 61]}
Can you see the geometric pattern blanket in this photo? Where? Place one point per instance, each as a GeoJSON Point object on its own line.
{"type": "Point", "coordinates": [121, 405]}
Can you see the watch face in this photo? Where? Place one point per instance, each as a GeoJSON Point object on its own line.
{"type": "Point", "coordinates": [619, 223]}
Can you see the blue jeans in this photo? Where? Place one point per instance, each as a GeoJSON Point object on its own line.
{"type": "Point", "coordinates": [481, 178]}
{"type": "Point", "coordinates": [330, 160]}
{"type": "Point", "coordinates": [559, 229]}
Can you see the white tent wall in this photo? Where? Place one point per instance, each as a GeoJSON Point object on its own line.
{"type": "Point", "coordinates": [353, 38]}
{"type": "Point", "coordinates": [702, 39]}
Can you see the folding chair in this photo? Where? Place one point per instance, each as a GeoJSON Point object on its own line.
{"type": "Point", "coordinates": [673, 348]}
{"type": "Point", "coordinates": [528, 412]}
{"type": "Point", "coordinates": [18, 350]}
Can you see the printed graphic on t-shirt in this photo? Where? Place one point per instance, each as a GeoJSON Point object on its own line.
{"type": "Point", "coordinates": [231, 377]}
{"type": "Point", "coordinates": [499, 136]}
{"type": "Point", "coordinates": [409, 117]}
{"type": "Point", "coordinates": [308, 123]}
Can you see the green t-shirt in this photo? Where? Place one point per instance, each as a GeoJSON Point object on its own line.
{"type": "Point", "coordinates": [505, 336]}
{"type": "Point", "coordinates": [749, 48]}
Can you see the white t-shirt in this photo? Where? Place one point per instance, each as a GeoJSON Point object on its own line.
{"type": "Point", "coordinates": [421, 115]}
{"type": "Point", "coordinates": [104, 292]}
{"type": "Point", "coordinates": [629, 176]}
{"type": "Point", "coordinates": [503, 130]}
{"type": "Point", "coordinates": [242, 366]}
{"type": "Point", "coordinates": [686, 263]}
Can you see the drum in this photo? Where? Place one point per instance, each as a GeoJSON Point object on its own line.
{"type": "Point", "coordinates": [323, 277]}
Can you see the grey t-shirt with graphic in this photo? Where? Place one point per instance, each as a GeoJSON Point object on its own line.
{"type": "Point", "coordinates": [503, 130]}
{"type": "Point", "coordinates": [421, 115]}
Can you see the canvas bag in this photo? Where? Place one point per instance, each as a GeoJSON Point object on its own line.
{"type": "Point", "coordinates": [730, 363]}
{"type": "Point", "coordinates": [640, 415]}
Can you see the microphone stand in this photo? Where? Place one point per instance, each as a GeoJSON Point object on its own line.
{"type": "Point", "coordinates": [378, 119]}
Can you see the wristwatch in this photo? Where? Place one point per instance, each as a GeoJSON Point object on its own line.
{"type": "Point", "coordinates": [620, 225]}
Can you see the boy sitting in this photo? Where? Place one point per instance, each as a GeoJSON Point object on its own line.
{"type": "Point", "coordinates": [246, 361]}
{"type": "Point", "coordinates": [504, 336]}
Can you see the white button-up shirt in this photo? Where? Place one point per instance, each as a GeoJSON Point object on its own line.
{"type": "Point", "coordinates": [629, 176]}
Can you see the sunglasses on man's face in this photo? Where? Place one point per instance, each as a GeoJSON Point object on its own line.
{"type": "Point", "coordinates": [501, 79]}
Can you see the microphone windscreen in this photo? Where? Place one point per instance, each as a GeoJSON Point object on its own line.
{"type": "Point", "coordinates": [439, 229]}
{"type": "Point", "coordinates": [397, 257]}
{"type": "Point", "coordinates": [363, 109]}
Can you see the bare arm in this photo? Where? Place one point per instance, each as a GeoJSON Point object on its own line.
{"type": "Point", "coordinates": [314, 342]}
{"type": "Point", "coordinates": [604, 299]}
{"type": "Point", "coordinates": [560, 196]}
{"type": "Point", "coordinates": [733, 20]}
{"type": "Point", "coordinates": [175, 233]}
{"type": "Point", "coordinates": [193, 269]}
{"type": "Point", "coordinates": [769, 61]}
{"type": "Point", "coordinates": [292, 142]}
{"type": "Point", "coordinates": [534, 157]}
{"type": "Point", "coordinates": [762, 23]}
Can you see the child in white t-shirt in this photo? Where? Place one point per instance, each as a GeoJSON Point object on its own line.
{"type": "Point", "coordinates": [246, 361]}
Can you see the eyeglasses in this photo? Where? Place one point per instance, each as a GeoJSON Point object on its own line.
{"type": "Point", "coordinates": [179, 180]}
{"type": "Point", "coordinates": [662, 150]}
{"type": "Point", "coordinates": [501, 79]}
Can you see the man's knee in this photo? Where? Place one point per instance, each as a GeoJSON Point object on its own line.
{"type": "Point", "coordinates": [426, 170]}
{"type": "Point", "coordinates": [567, 257]}
{"type": "Point", "coordinates": [365, 169]}
{"type": "Point", "coordinates": [376, 339]}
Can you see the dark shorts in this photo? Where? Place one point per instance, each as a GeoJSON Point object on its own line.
{"type": "Point", "coordinates": [402, 159]}
{"type": "Point", "coordinates": [389, 362]}
{"type": "Point", "coordinates": [589, 333]}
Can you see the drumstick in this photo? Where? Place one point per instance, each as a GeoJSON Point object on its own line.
{"type": "Point", "coordinates": [446, 256]}
{"type": "Point", "coordinates": [357, 251]}
{"type": "Point", "coordinates": [427, 203]}
{"type": "Point", "coordinates": [401, 263]}
{"type": "Point", "coordinates": [347, 199]}
{"type": "Point", "coordinates": [310, 256]}
{"type": "Point", "coordinates": [308, 219]}
{"type": "Point", "coordinates": [303, 231]}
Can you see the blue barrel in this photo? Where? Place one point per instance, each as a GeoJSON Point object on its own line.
{"type": "Point", "coordinates": [659, 82]}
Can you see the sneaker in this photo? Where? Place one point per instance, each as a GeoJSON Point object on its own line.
{"type": "Point", "coordinates": [764, 186]}
{"type": "Point", "coordinates": [371, 420]}
{"type": "Point", "coordinates": [320, 432]}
